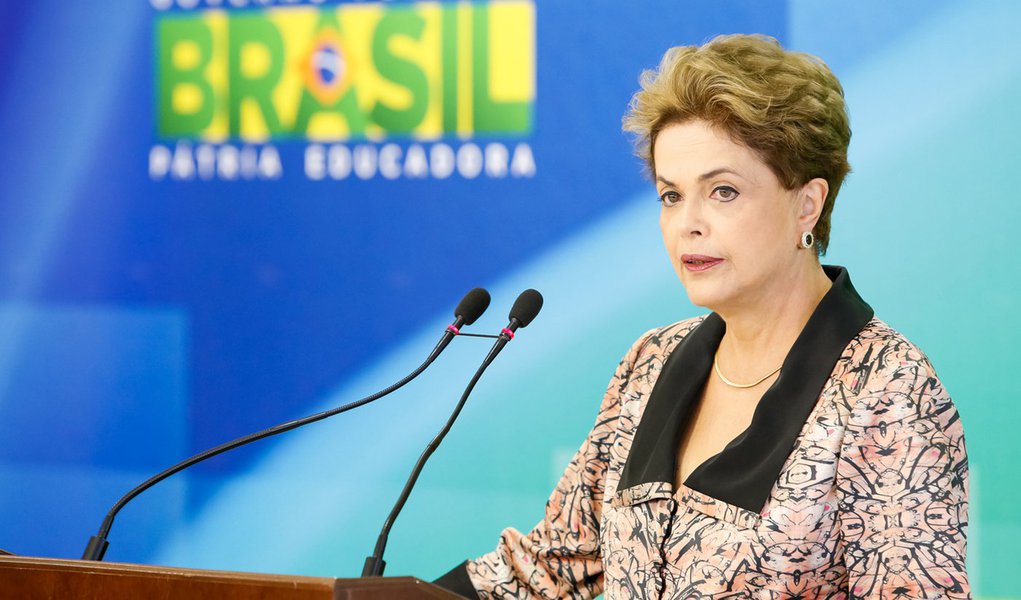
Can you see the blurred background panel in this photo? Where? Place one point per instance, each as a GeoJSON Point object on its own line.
{"type": "Point", "coordinates": [215, 216]}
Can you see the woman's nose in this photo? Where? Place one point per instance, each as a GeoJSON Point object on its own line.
{"type": "Point", "coordinates": [689, 221]}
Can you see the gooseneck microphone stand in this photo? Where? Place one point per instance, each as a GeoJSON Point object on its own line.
{"type": "Point", "coordinates": [375, 564]}
{"type": "Point", "coordinates": [525, 308]}
{"type": "Point", "coordinates": [469, 309]}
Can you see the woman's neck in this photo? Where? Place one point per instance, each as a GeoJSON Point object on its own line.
{"type": "Point", "coordinates": [759, 336]}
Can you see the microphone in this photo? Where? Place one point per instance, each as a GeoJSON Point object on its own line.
{"type": "Point", "coordinates": [471, 307]}
{"type": "Point", "coordinates": [468, 310]}
{"type": "Point", "coordinates": [524, 310]}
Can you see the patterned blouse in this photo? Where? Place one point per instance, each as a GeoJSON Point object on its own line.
{"type": "Point", "coordinates": [850, 481]}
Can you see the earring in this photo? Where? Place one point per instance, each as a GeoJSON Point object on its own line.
{"type": "Point", "coordinates": [807, 240]}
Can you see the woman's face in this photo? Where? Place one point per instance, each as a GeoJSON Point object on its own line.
{"type": "Point", "coordinates": [730, 227]}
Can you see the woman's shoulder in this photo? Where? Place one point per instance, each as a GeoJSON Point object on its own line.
{"type": "Point", "coordinates": [663, 339]}
{"type": "Point", "coordinates": [648, 353]}
{"type": "Point", "coordinates": [887, 350]}
{"type": "Point", "coordinates": [893, 377]}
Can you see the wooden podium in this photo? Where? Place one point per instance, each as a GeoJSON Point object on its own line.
{"type": "Point", "coordinates": [27, 578]}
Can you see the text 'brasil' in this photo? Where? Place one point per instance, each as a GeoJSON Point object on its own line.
{"type": "Point", "coordinates": [357, 71]}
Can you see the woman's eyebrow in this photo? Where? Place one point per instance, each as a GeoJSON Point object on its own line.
{"type": "Point", "coordinates": [718, 171]}
{"type": "Point", "coordinates": [703, 176]}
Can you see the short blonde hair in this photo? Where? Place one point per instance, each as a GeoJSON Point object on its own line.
{"type": "Point", "coordinates": [786, 106]}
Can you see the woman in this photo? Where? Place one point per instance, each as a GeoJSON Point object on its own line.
{"type": "Point", "coordinates": [789, 444]}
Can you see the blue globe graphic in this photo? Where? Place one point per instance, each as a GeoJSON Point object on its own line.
{"type": "Point", "coordinates": [328, 64]}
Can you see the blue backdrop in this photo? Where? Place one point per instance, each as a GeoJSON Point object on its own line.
{"type": "Point", "coordinates": [163, 289]}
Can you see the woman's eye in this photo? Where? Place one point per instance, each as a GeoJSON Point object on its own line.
{"type": "Point", "coordinates": [725, 193]}
{"type": "Point", "coordinates": [669, 198]}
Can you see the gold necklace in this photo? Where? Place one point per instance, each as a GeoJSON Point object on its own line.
{"type": "Point", "coordinates": [716, 367]}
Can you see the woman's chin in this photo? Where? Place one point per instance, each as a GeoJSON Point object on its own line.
{"type": "Point", "coordinates": [701, 296]}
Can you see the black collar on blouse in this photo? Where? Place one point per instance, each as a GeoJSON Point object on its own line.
{"type": "Point", "coordinates": [743, 473]}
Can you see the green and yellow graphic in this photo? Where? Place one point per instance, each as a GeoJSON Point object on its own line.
{"type": "Point", "coordinates": [357, 71]}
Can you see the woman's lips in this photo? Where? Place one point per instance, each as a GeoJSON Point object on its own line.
{"type": "Point", "coordinates": [699, 262]}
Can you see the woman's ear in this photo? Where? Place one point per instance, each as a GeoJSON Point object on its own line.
{"type": "Point", "coordinates": [813, 198]}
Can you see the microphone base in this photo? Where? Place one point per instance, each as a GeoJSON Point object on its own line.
{"type": "Point", "coordinates": [96, 548]}
{"type": "Point", "coordinates": [374, 567]}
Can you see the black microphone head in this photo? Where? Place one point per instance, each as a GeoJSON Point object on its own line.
{"type": "Point", "coordinates": [472, 305]}
{"type": "Point", "coordinates": [528, 304]}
